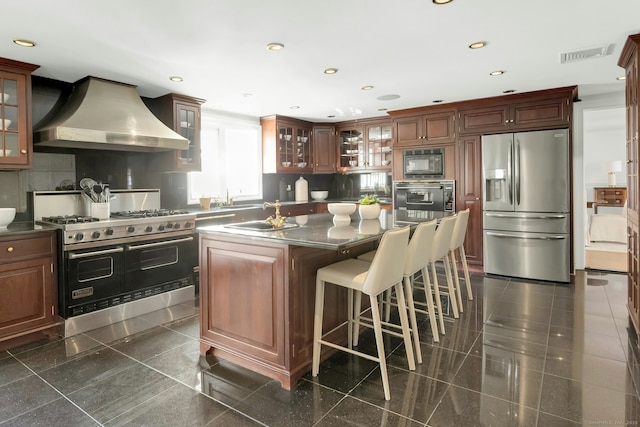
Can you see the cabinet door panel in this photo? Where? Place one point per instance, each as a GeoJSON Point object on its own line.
{"type": "Point", "coordinates": [439, 128]}
{"type": "Point", "coordinates": [540, 114]}
{"type": "Point", "coordinates": [324, 150]}
{"type": "Point", "coordinates": [408, 131]}
{"type": "Point", "coordinates": [26, 301]}
{"type": "Point", "coordinates": [484, 120]}
{"type": "Point", "coordinates": [470, 194]}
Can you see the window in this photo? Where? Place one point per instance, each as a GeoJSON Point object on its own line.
{"type": "Point", "coordinates": [231, 159]}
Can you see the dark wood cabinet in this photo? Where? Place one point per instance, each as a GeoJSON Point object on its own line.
{"type": "Point", "coordinates": [365, 145]}
{"type": "Point", "coordinates": [16, 133]}
{"type": "Point", "coordinates": [629, 61]}
{"type": "Point", "coordinates": [182, 114]}
{"type": "Point", "coordinates": [432, 128]}
{"type": "Point", "coordinates": [28, 285]}
{"type": "Point", "coordinates": [298, 209]}
{"type": "Point", "coordinates": [287, 145]}
{"type": "Point", "coordinates": [256, 303]}
{"type": "Point", "coordinates": [324, 149]}
{"type": "Point", "coordinates": [469, 189]}
{"type": "Point", "coordinates": [534, 114]}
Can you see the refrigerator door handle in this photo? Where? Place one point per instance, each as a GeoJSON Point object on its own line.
{"type": "Point", "coordinates": [510, 236]}
{"type": "Point", "coordinates": [509, 180]}
{"type": "Point", "coordinates": [552, 216]}
{"type": "Point", "coordinates": [516, 170]}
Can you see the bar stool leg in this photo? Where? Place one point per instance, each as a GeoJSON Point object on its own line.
{"type": "Point", "coordinates": [452, 292]}
{"type": "Point", "coordinates": [428, 295]}
{"type": "Point", "coordinates": [404, 322]}
{"type": "Point", "coordinates": [356, 306]}
{"type": "Point", "coordinates": [456, 277]}
{"type": "Point", "coordinates": [408, 288]}
{"type": "Point", "coordinates": [317, 327]}
{"type": "Point", "coordinates": [465, 267]}
{"type": "Point", "coordinates": [377, 329]}
{"type": "Point", "coordinates": [436, 289]}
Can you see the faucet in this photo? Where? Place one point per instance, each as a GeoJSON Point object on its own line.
{"type": "Point", "coordinates": [229, 199]}
{"type": "Point", "coordinates": [276, 221]}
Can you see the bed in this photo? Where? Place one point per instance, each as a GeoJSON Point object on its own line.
{"type": "Point", "coordinates": [606, 247]}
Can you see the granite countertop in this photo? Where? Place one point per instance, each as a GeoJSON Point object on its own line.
{"type": "Point", "coordinates": [318, 230]}
{"type": "Point", "coordinates": [228, 209]}
{"type": "Point", "coordinates": [24, 227]}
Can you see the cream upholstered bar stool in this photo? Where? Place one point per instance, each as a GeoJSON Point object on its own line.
{"type": "Point", "coordinates": [415, 262]}
{"type": "Point", "coordinates": [440, 251]}
{"type": "Point", "coordinates": [457, 242]}
{"type": "Point", "coordinates": [384, 272]}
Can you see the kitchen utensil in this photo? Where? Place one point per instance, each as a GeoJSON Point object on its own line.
{"type": "Point", "coordinates": [97, 191]}
{"type": "Point", "coordinates": [66, 185]}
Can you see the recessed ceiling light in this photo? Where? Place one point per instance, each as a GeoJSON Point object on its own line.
{"type": "Point", "coordinates": [388, 97]}
{"type": "Point", "coordinates": [294, 107]}
{"type": "Point", "coordinates": [247, 95]}
{"type": "Point", "coordinates": [477, 45]}
{"type": "Point", "coordinates": [330, 70]}
{"type": "Point", "coordinates": [496, 73]}
{"type": "Point", "coordinates": [621, 78]}
{"type": "Point", "coordinates": [366, 87]}
{"type": "Point", "coordinates": [24, 43]}
{"type": "Point", "coordinates": [331, 116]}
{"type": "Point", "coordinates": [176, 78]}
{"type": "Point", "coordinates": [275, 46]}
{"type": "Point", "coordinates": [442, 1]}
{"type": "Point", "coordinates": [437, 101]}
{"type": "Point", "coordinates": [382, 109]}
{"type": "Point", "coordinates": [508, 91]}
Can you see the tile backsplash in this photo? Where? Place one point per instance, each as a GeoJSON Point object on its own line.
{"type": "Point", "coordinates": [48, 171]}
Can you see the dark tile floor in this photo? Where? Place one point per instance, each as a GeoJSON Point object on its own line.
{"type": "Point", "coordinates": [521, 354]}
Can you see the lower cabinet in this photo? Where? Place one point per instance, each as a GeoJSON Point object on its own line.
{"type": "Point", "coordinates": [28, 286]}
{"type": "Point", "coordinates": [257, 304]}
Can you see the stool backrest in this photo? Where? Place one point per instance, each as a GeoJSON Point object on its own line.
{"type": "Point", "coordinates": [387, 266]}
{"type": "Point", "coordinates": [420, 247]}
{"type": "Point", "coordinates": [460, 230]}
{"type": "Point", "coordinates": [442, 239]}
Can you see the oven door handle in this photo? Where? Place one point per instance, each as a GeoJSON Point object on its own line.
{"type": "Point", "coordinates": [422, 187]}
{"type": "Point", "coordinates": [73, 255]}
{"type": "Point", "coordinates": [156, 244]}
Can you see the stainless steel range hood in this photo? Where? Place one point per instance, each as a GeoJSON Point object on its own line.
{"type": "Point", "coordinates": [105, 115]}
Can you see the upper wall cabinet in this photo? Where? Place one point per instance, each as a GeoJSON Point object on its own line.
{"type": "Point", "coordinates": [365, 145]}
{"type": "Point", "coordinates": [528, 115]}
{"type": "Point", "coordinates": [16, 133]}
{"type": "Point", "coordinates": [433, 128]}
{"type": "Point", "coordinates": [287, 145]}
{"type": "Point", "coordinates": [182, 114]}
{"type": "Point", "coordinates": [324, 149]}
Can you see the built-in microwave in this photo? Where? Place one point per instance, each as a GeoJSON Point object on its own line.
{"type": "Point", "coordinates": [423, 164]}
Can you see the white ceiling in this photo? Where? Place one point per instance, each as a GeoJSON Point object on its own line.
{"type": "Point", "coordinates": [411, 48]}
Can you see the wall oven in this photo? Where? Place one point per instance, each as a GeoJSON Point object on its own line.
{"type": "Point", "coordinates": [419, 196]}
{"type": "Point", "coordinates": [423, 164]}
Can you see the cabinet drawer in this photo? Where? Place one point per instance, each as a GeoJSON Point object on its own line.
{"type": "Point", "coordinates": [11, 250]}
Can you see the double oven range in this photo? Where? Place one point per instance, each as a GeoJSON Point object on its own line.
{"type": "Point", "coordinates": [114, 267]}
{"type": "Point", "coordinates": [421, 198]}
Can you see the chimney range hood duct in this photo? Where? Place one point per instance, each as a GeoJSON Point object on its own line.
{"type": "Point", "coordinates": [105, 115]}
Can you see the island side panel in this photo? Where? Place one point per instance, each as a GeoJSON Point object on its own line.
{"type": "Point", "coordinates": [242, 302]}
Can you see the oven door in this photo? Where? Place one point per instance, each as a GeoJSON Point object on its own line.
{"type": "Point", "coordinates": [157, 266]}
{"type": "Point", "coordinates": [421, 197]}
{"type": "Point", "coordinates": [92, 277]}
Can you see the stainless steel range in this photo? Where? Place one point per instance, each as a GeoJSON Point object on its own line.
{"type": "Point", "coordinates": [138, 260]}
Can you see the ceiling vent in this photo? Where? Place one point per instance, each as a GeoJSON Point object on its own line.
{"type": "Point", "coordinates": [579, 55]}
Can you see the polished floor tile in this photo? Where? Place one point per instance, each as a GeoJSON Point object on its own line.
{"type": "Point", "coordinates": [521, 354]}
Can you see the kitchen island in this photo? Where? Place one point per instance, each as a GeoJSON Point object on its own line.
{"type": "Point", "coordinates": [257, 288]}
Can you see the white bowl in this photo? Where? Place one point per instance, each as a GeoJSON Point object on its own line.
{"type": "Point", "coordinates": [386, 162]}
{"type": "Point", "coordinates": [302, 164]}
{"type": "Point", "coordinates": [353, 163]}
{"type": "Point", "coordinates": [286, 164]}
{"type": "Point", "coordinates": [5, 124]}
{"type": "Point", "coordinates": [6, 153]}
{"type": "Point", "coordinates": [341, 209]}
{"type": "Point", "coordinates": [6, 216]}
{"type": "Point", "coordinates": [5, 97]}
{"type": "Point", "coordinates": [319, 195]}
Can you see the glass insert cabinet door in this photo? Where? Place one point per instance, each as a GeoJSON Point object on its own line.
{"type": "Point", "coordinates": [294, 147]}
{"type": "Point", "coordinates": [379, 150]}
{"type": "Point", "coordinates": [10, 117]}
{"type": "Point", "coordinates": [187, 127]}
{"type": "Point", "coordinates": [352, 150]}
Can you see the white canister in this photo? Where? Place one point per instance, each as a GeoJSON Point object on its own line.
{"type": "Point", "coordinates": [302, 190]}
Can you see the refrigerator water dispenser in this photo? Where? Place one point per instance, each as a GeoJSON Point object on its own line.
{"type": "Point", "coordinates": [495, 184]}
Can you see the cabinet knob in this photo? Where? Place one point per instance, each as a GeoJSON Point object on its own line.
{"type": "Point", "coordinates": [10, 249]}
{"type": "Point", "coordinates": [23, 151]}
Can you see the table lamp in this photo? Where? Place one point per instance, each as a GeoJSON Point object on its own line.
{"type": "Point", "coordinates": [612, 167]}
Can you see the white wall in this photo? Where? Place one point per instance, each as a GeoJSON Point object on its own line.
{"type": "Point", "coordinates": [588, 139]}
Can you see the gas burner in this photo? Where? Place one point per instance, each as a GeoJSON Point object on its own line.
{"type": "Point", "coordinates": [68, 219]}
{"type": "Point", "coordinates": [147, 213]}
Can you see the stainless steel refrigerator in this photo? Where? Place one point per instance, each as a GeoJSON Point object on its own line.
{"type": "Point", "coordinates": [526, 205]}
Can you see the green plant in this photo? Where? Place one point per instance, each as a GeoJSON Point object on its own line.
{"type": "Point", "coordinates": [369, 199]}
